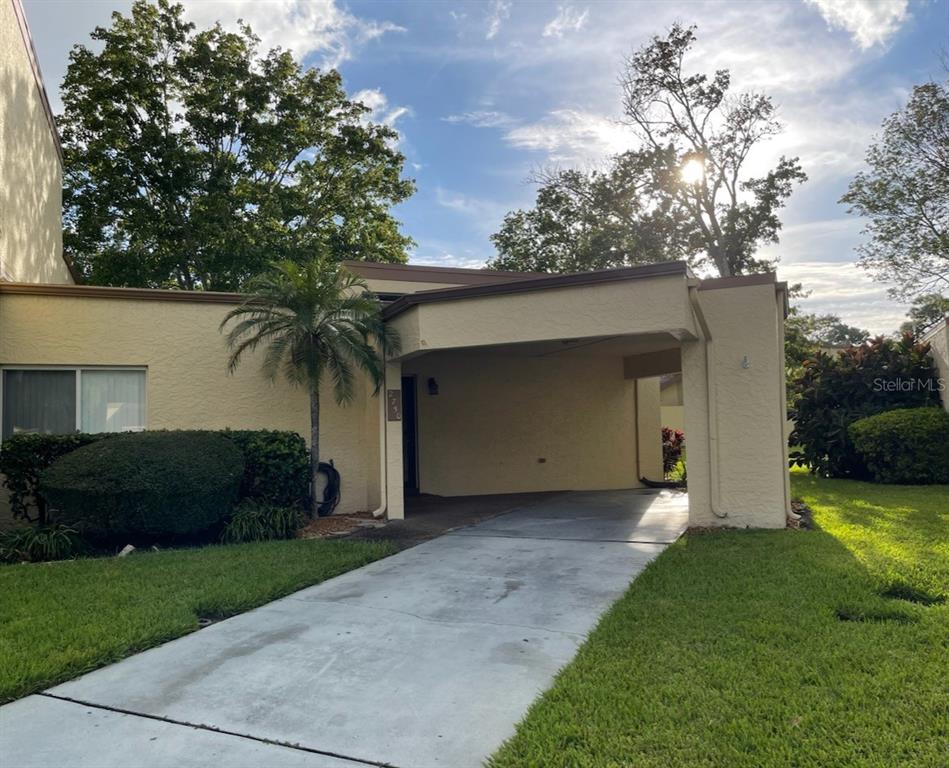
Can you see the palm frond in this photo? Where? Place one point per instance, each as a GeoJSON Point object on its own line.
{"type": "Point", "coordinates": [313, 318]}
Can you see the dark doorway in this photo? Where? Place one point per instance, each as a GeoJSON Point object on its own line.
{"type": "Point", "coordinates": [409, 436]}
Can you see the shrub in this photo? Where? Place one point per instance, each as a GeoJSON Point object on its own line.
{"type": "Point", "coordinates": [276, 466]}
{"type": "Point", "coordinates": [23, 457]}
{"type": "Point", "coordinates": [145, 484]}
{"type": "Point", "coordinates": [33, 545]}
{"type": "Point", "coordinates": [257, 521]}
{"type": "Point", "coordinates": [673, 441]}
{"type": "Point", "coordinates": [910, 445]}
{"type": "Point", "coordinates": [836, 390]}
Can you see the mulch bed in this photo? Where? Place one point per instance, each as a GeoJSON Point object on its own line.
{"type": "Point", "coordinates": [333, 526]}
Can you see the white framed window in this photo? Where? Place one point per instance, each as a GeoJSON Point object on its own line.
{"type": "Point", "coordinates": [60, 399]}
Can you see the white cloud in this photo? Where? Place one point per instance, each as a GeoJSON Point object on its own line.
{"type": "Point", "coordinates": [869, 22]}
{"type": "Point", "coordinates": [302, 26]}
{"type": "Point", "coordinates": [480, 118]}
{"type": "Point", "coordinates": [570, 135]}
{"type": "Point", "coordinates": [568, 19]}
{"type": "Point", "coordinates": [381, 111]}
{"type": "Point", "coordinates": [500, 11]}
{"type": "Point", "coordinates": [837, 287]}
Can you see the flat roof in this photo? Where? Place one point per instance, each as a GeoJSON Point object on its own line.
{"type": "Point", "coordinates": [109, 292]}
{"type": "Point", "coordinates": [424, 273]}
{"type": "Point", "coordinates": [535, 283]}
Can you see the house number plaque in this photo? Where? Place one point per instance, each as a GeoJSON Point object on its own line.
{"type": "Point", "coordinates": [394, 404]}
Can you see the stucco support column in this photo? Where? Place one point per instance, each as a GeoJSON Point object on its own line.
{"type": "Point", "coordinates": [735, 410]}
{"type": "Point", "coordinates": [649, 428]}
{"type": "Point", "coordinates": [698, 450]}
{"type": "Point", "coordinates": [395, 497]}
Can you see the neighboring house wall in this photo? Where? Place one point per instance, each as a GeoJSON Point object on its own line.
{"type": "Point", "coordinates": [31, 245]}
{"type": "Point", "coordinates": [938, 339]}
{"type": "Point", "coordinates": [187, 384]}
{"type": "Point", "coordinates": [741, 470]}
{"type": "Point", "coordinates": [506, 424]}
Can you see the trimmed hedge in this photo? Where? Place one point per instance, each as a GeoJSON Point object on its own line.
{"type": "Point", "coordinates": [276, 467]}
{"type": "Point", "coordinates": [836, 390]}
{"type": "Point", "coordinates": [23, 457]}
{"type": "Point", "coordinates": [165, 485]}
{"type": "Point", "coordinates": [908, 445]}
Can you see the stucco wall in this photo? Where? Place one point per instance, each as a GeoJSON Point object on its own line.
{"type": "Point", "coordinates": [939, 342]}
{"type": "Point", "coordinates": [649, 415]}
{"type": "Point", "coordinates": [673, 413]}
{"type": "Point", "coordinates": [30, 170]}
{"type": "Point", "coordinates": [188, 386]}
{"type": "Point", "coordinates": [634, 306]}
{"type": "Point", "coordinates": [495, 417]}
{"type": "Point", "coordinates": [748, 391]}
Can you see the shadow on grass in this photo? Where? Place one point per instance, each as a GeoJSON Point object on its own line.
{"type": "Point", "coordinates": [741, 648]}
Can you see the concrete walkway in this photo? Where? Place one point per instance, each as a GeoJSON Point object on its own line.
{"type": "Point", "coordinates": [427, 658]}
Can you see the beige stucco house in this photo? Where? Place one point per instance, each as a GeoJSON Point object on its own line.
{"type": "Point", "coordinates": [505, 383]}
{"type": "Point", "coordinates": [938, 339]}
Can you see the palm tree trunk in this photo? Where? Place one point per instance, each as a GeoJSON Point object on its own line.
{"type": "Point", "coordinates": [315, 445]}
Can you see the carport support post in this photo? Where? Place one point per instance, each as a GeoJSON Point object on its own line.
{"type": "Point", "coordinates": [392, 433]}
{"type": "Point", "coordinates": [697, 446]}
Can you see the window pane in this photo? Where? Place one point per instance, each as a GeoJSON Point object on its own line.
{"type": "Point", "coordinates": [39, 401]}
{"type": "Point", "coordinates": [112, 401]}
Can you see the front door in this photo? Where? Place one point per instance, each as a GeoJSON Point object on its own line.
{"type": "Point", "coordinates": [409, 436]}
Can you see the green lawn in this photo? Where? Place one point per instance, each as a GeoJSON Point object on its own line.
{"type": "Point", "coordinates": [58, 620]}
{"type": "Point", "coordinates": [730, 650]}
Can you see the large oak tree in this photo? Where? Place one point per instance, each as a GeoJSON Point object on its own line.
{"type": "Point", "coordinates": [685, 192]}
{"type": "Point", "coordinates": [904, 194]}
{"type": "Point", "coordinates": [192, 160]}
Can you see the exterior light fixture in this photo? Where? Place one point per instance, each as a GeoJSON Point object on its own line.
{"type": "Point", "coordinates": [432, 386]}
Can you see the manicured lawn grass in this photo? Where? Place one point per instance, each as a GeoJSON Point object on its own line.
{"type": "Point", "coordinates": [58, 620]}
{"type": "Point", "coordinates": [729, 650]}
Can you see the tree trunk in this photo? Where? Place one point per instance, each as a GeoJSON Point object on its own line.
{"type": "Point", "coordinates": [315, 446]}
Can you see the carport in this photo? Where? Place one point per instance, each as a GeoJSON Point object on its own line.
{"type": "Point", "coordinates": [551, 384]}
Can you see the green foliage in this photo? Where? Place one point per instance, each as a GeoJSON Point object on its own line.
{"type": "Point", "coordinates": [276, 466]}
{"type": "Point", "coordinates": [315, 320]}
{"type": "Point", "coordinates": [925, 312]}
{"type": "Point", "coordinates": [33, 545]}
{"type": "Point", "coordinates": [192, 159]}
{"type": "Point", "coordinates": [909, 445]}
{"type": "Point", "coordinates": [138, 486]}
{"type": "Point", "coordinates": [60, 622]}
{"type": "Point", "coordinates": [260, 521]}
{"type": "Point", "coordinates": [836, 390]}
{"type": "Point", "coordinates": [642, 209]}
{"type": "Point", "coordinates": [22, 458]}
{"type": "Point", "coordinates": [904, 195]}
{"type": "Point", "coordinates": [673, 444]}
{"type": "Point", "coordinates": [805, 334]}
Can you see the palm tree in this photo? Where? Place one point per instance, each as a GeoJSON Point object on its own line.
{"type": "Point", "coordinates": [314, 319]}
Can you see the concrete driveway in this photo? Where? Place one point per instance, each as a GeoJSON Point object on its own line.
{"type": "Point", "coordinates": [427, 658]}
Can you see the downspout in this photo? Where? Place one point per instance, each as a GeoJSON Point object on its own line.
{"type": "Point", "coordinates": [783, 408]}
{"type": "Point", "coordinates": [711, 410]}
{"type": "Point", "coordinates": [383, 452]}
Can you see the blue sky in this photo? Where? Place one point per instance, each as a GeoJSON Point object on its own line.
{"type": "Point", "coordinates": [483, 93]}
